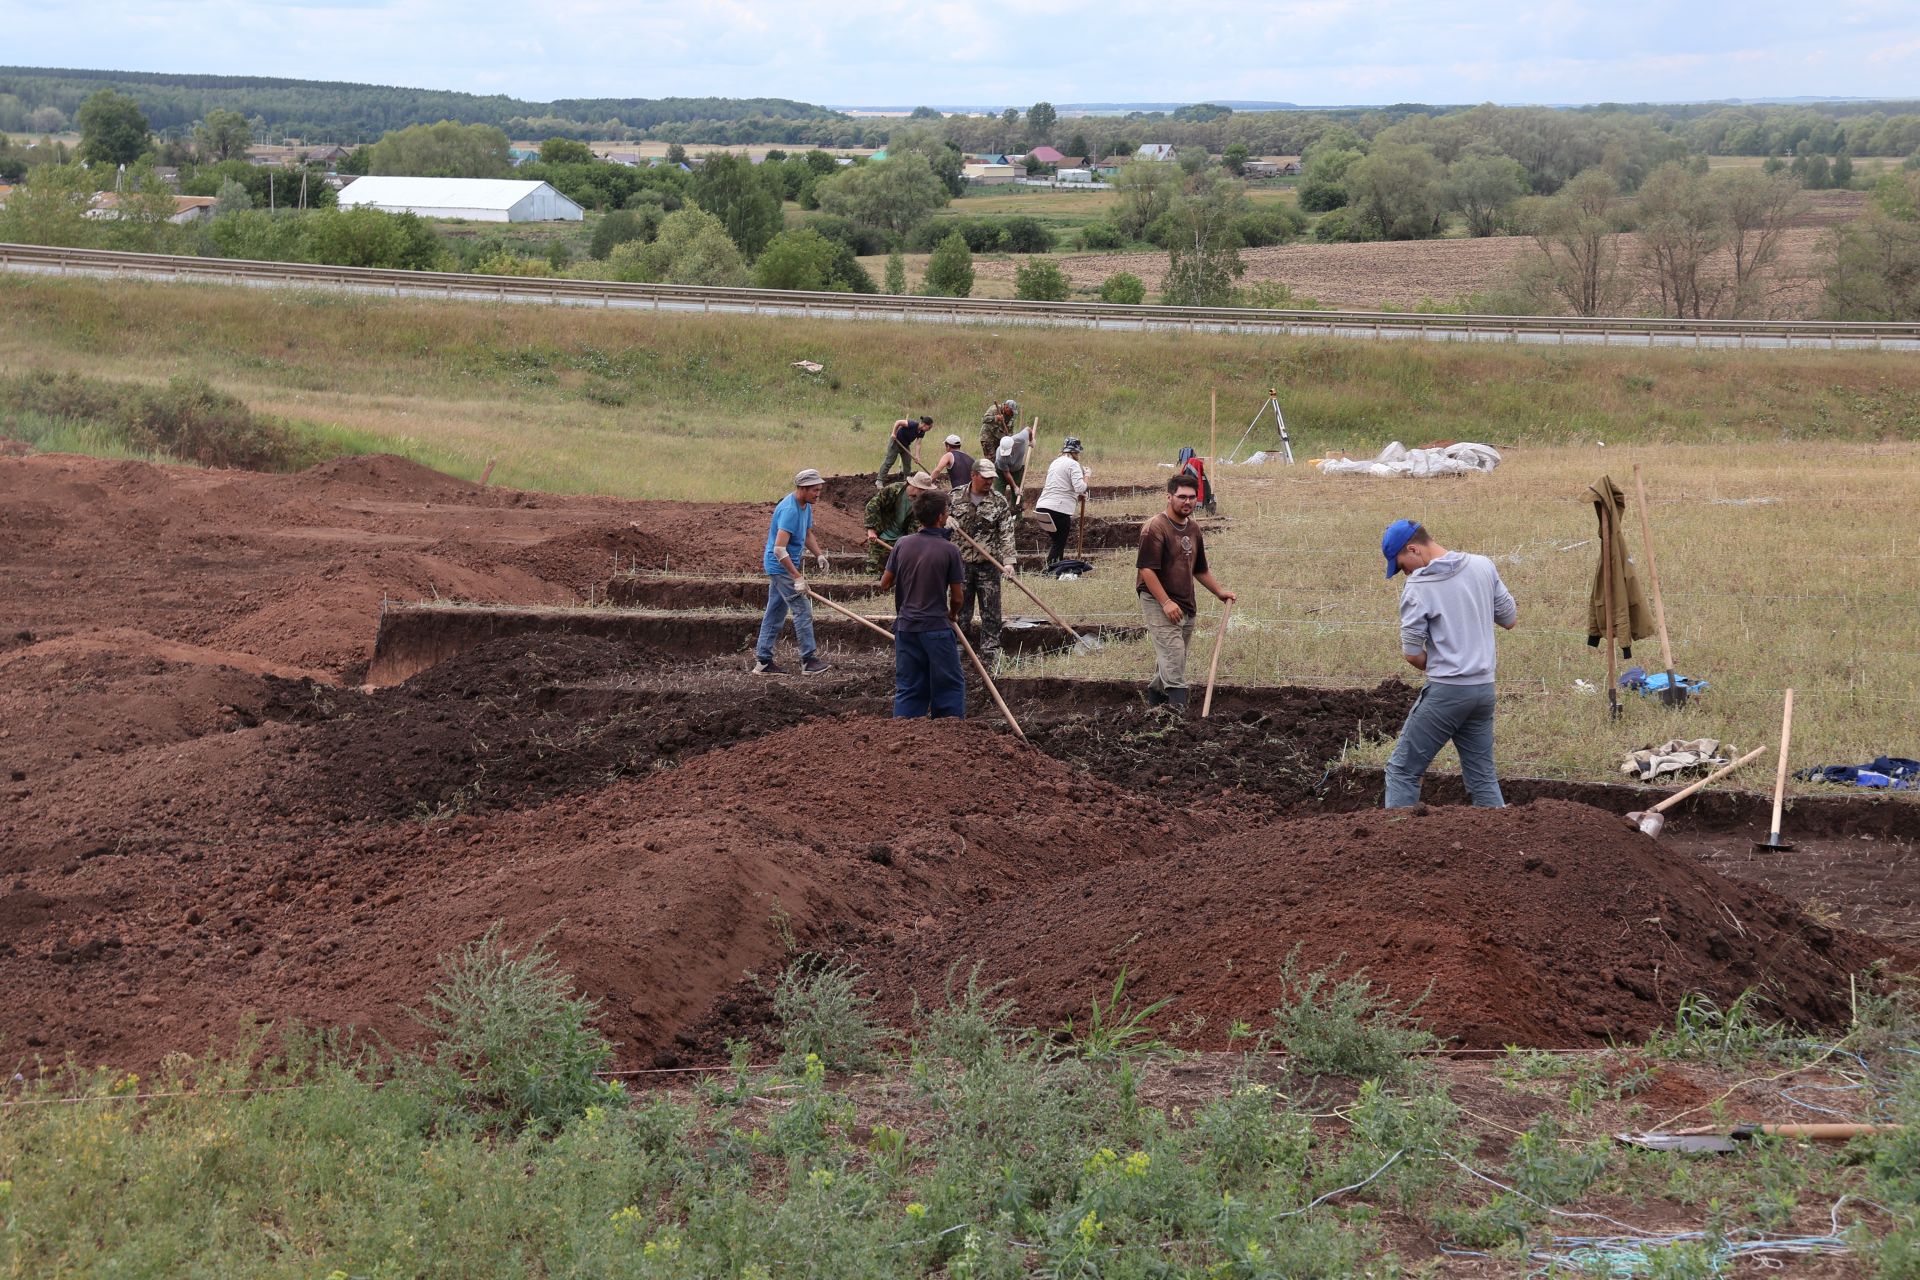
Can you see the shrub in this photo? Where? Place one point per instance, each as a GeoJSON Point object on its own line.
{"type": "Point", "coordinates": [950, 270]}
{"type": "Point", "coordinates": [1041, 281]}
{"type": "Point", "coordinates": [864, 241]}
{"type": "Point", "coordinates": [1021, 234]}
{"type": "Point", "coordinates": [618, 227]}
{"type": "Point", "coordinates": [824, 1013]}
{"type": "Point", "coordinates": [1123, 287]}
{"type": "Point", "coordinates": [513, 1042]}
{"type": "Point", "coordinates": [1342, 1028]}
{"type": "Point", "coordinates": [1269, 224]}
{"type": "Point", "coordinates": [1102, 235]}
{"type": "Point", "coordinates": [189, 420]}
{"type": "Point", "coordinates": [1343, 226]}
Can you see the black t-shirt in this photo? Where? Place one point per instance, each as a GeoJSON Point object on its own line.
{"type": "Point", "coordinates": [923, 566]}
{"type": "Point", "coordinates": [909, 432]}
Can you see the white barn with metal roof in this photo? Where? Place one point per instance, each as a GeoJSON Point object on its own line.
{"type": "Point", "coordinates": [475, 199]}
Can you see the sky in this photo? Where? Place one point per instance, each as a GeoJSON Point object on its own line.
{"type": "Point", "coordinates": [998, 52]}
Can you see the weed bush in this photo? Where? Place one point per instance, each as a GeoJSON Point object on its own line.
{"type": "Point", "coordinates": [1123, 287]}
{"type": "Point", "coordinates": [1102, 235]}
{"type": "Point", "coordinates": [512, 1041]}
{"type": "Point", "coordinates": [1041, 281]}
{"type": "Point", "coordinates": [1343, 1028]}
{"type": "Point", "coordinates": [1703, 1031]}
{"type": "Point", "coordinates": [823, 1013]}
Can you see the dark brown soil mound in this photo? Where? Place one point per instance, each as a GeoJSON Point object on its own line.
{"type": "Point", "coordinates": [1548, 924]}
{"type": "Point", "coordinates": [661, 891]}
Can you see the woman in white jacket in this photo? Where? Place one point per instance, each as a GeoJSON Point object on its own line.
{"type": "Point", "coordinates": [1066, 484]}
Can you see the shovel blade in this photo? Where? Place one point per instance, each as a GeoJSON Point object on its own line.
{"type": "Point", "coordinates": [1650, 824]}
{"type": "Point", "coordinates": [1772, 844]}
{"type": "Point", "coordinates": [1673, 696]}
{"type": "Point", "coordinates": [1679, 1141]}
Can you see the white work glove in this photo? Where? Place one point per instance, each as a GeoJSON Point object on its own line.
{"type": "Point", "coordinates": [820, 561]}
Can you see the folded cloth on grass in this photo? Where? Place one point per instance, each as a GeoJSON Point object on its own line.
{"type": "Point", "coordinates": [1677, 755]}
{"type": "Point", "coordinates": [1894, 773]}
{"type": "Point", "coordinates": [1398, 460]}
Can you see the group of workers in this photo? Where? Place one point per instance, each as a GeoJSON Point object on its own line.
{"type": "Point", "coordinates": [941, 540]}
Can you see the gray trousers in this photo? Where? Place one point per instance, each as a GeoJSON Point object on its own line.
{"type": "Point", "coordinates": [1170, 643]}
{"type": "Point", "coordinates": [1462, 714]}
{"type": "Point", "coordinates": [895, 453]}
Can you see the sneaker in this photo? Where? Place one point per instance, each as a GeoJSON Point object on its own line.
{"type": "Point", "coordinates": [813, 667]}
{"type": "Point", "coordinates": [766, 669]}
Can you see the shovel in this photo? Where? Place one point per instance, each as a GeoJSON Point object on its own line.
{"type": "Point", "coordinates": [1653, 821]}
{"type": "Point", "coordinates": [1773, 843]}
{"type": "Point", "coordinates": [1675, 694]}
{"type": "Point", "coordinates": [860, 618]}
{"type": "Point", "coordinates": [1081, 644]}
{"type": "Point", "coordinates": [987, 680]}
{"type": "Point", "coordinates": [1734, 1138]}
{"type": "Point", "coordinates": [1213, 668]}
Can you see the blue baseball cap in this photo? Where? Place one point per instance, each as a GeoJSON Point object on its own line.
{"type": "Point", "coordinates": [1395, 540]}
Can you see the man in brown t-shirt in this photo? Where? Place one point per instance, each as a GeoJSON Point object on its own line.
{"type": "Point", "coordinates": [1173, 557]}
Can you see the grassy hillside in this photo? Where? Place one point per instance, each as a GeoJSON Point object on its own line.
{"type": "Point", "coordinates": [685, 406]}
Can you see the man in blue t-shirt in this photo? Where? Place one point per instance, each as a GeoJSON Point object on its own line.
{"type": "Point", "coordinates": [928, 580]}
{"type": "Point", "coordinates": [792, 528]}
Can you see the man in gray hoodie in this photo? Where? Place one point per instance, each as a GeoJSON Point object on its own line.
{"type": "Point", "coordinates": [1447, 613]}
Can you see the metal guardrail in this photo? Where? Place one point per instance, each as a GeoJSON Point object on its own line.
{"type": "Point", "coordinates": [1757, 334]}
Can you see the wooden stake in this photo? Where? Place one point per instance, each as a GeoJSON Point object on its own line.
{"type": "Point", "coordinates": [987, 680]}
{"type": "Point", "coordinates": [487, 474]}
{"type": "Point", "coordinates": [1780, 775]}
{"type": "Point", "coordinates": [1653, 572]}
{"type": "Point", "coordinates": [1213, 668]}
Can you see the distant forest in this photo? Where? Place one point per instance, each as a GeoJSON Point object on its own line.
{"type": "Point", "coordinates": [45, 99]}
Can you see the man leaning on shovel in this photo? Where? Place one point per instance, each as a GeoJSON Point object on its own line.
{"type": "Point", "coordinates": [1173, 556]}
{"type": "Point", "coordinates": [790, 529]}
{"type": "Point", "coordinates": [1447, 613]}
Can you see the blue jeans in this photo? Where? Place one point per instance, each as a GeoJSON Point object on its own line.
{"type": "Point", "coordinates": [1462, 713]}
{"type": "Point", "coordinates": [926, 675]}
{"type": "Point", "coordinates": [783, 599]}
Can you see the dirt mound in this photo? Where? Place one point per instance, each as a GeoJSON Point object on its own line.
{"type": "Point", "coordinates": [661, 892]}
{"type": "Point", "coordinates": [387, 475]}
{"type": "Point", "coordinates": [586, 559]}
{"type": "Point", "coordinates": [1277, 755]}
{"type": "Point", "coordinates": [1549, 924]}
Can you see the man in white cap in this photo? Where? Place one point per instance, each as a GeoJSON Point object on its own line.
{"type": "Point", "coordinates": [1010, 465]}
{"type": "Point", "coordinates": [791, 527]}
{"type": "Point", "coordinates": [1063, 490]}
{"type": "Point", "coordinates": [955, 468]}
{"type": "Point", "coordinates": [890, 516]}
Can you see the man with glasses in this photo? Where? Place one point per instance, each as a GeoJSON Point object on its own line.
{"type": "Point", "coordinates": [1173, 556]}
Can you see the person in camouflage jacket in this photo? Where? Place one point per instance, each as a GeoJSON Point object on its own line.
{"type": "Point", "coordinates": [890, 517]}
{"type": "Point", "coordinates": [1000, 418]}
{"type": "Point", "coordinates": [988, 518]}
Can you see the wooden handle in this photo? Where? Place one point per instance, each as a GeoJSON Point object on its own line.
{"type": "Point", "coordinates": [987, 680]}
{"type": "Point", "coordinates": [1653, 571]}
{"type": "Point", "coordinates": [1606, 588]}
{"type": "Point", "coordinates": [1213, 668]}
{"type": "Point", "coordinates": [1715, 776]}
{"type": "Point", "coordinates": [1780, 777]}
{"type": "Point", "coordinates": [1057, 620]}
{"type": "Point", "coordinates": [1815, 1132]}
{"type": "Point", "coordinates": [860, 618]}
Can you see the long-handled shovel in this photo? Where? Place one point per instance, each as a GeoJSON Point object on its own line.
{"type": "Point", "coordinates": [1081, 644]}
{"type": "Point", "coordinates": [860, 618]}
{"type": "Point", "coordinates": [987, 680]}
{"type": "Point", "coordinates": [1674, 695]}
{"type": "Point", "coordinates": [1080, 538]}
{"type": "Point", "coordinates": [1653, 821]}
{"type": "Point", "coordinates": [1773, 843]}
{"type": "Point", "coordinates": [1213, 668]}
{"type": "Point", "coordinates": [1606, 590]}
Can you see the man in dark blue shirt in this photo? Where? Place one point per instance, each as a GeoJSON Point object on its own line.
{"type": "Point", "coordinates": [928, 579]}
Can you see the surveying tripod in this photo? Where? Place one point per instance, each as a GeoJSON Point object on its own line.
{"type": "Point", "coordinates": [1280, 420]}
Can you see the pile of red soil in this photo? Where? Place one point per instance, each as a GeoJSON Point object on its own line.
{"type": "Point", "coordinates": [1549, 924]}
{"type": "Point", "coordinates": [660, 892]}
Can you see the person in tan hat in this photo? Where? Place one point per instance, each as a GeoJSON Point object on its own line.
{"type": "Point", "coordinates": [890, 517]}
{"type": "Point", "coordinates": [791, 530]}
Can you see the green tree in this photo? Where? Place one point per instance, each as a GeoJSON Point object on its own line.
{"type": "Point", "coordinates": [1576, 236]}
{"type": "Point", "coordinates": [370, 238]}
{"type": "Point", "coordinates": [1124, 288]}
{"type": "Point", "coordinates": [618, 226]}
{"type": "Point", "coordinates": [223, 135]}
{"type": "Point", "coordinates": [892, 196]}
{"type": "Point", "coordinates": [731, 189]}
{"type": "Point", "coordinates": [945, 158]}
{"type": "Point", "coordinates": [1041, 117]}
{"type": "Point", "coordinates": [693, 248]}
{"type": "Point", "coordinates": [113, 130]}
{"type": "Point", "coordinates": [1041, 280]}
{"type": "Point", "coordinates": [896, 273]}
{"type": "Point", "coordinates": [1192, 159]}
{"type": "Point", "coordinates": [1398, 187]}
{"type": "Point", "coordinates": [1872, 264]}
{"type": "Point", "coordinates": [1682, 226]}
{"type": "Point", "coordinates": [1203, 254]}
{"type": "Point", "coordinates": [800, 259]}
{"type": "Point", "coordinates": [676, 154]}
{"type": "Point", "coordinates": [1483, 187]}
{"type": "Point", "coordinates": [1323, 184]}
{"type": "Point", "coordinates": [566, 151]}
{"type": "Point", "coordinates": [443, 150]}
{"type": "Point", "coordinates": [950, 270]}
{"type": "Point", "coordinates": [51, 209]}
{"type": "Point", "coordinates": [1842, 171]}
{"type": "Point", "coordinates": [1235, 158]}
{"type": "Point", "coordinates": [232, 198]}
{"type": "Point", "coordinates": [1077, 147]}
{"type": "Point", "coordinates": [1144, 189]}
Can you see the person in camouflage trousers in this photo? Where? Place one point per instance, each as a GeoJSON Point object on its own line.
{"type": "Point", "coordinates": [986, 517]}
{"type": "Point", "coordinates": [890, 517]}
{"type": "Point", "coordinates": [999, 419]}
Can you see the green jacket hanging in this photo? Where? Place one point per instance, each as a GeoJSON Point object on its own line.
{"type": "Point", "coordinates": [1632, 618]}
